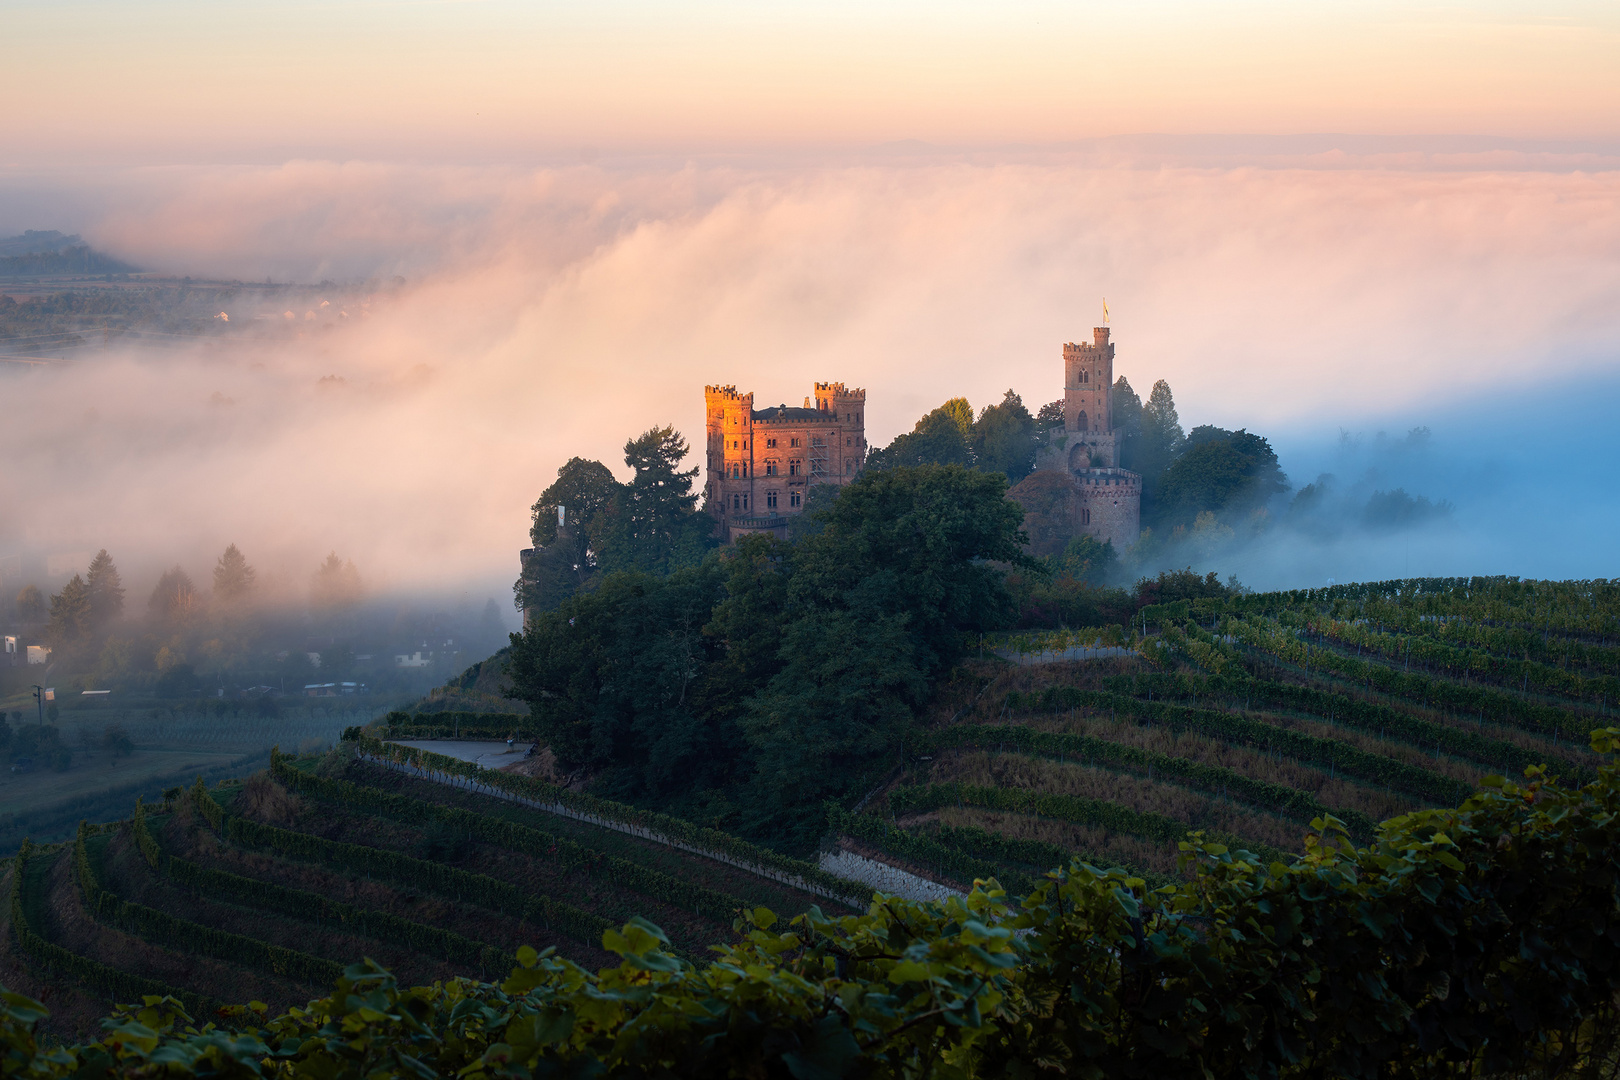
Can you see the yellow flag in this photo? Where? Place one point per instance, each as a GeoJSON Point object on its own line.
{"type": "Point", "coordinates": [1105, 309]}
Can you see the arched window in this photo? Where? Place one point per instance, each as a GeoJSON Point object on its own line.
{"type": "Point", "coordinates": [1080, 422]}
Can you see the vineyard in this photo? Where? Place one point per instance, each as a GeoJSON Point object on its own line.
{"type": "Point", "coordinates": [265, 889]}
{"type": "Point", "coordinates": [1251, 718]}
{"type": "Point", "coordinates": [1247, 717]}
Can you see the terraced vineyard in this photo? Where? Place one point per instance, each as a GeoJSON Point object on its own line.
{"type": "Point", "coordinates": [1248, 717]}
{"type": "Point", "coordinates": [266, 889]}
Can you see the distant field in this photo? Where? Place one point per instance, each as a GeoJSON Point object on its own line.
{"type": "Point", "coordinates": [170, 750]}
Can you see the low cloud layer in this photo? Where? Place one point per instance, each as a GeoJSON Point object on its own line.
{"type": "Point", "coordinates": [551, 313]}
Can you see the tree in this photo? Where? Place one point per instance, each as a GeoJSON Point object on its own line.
{"type": "Point", "coordinates": [1127, 410]}
{"type": "Point", "coordinates": [563, 558]}
{"type": "Point", "coordinates": [106, 590]}
{"type": "Point", "coordinates": [174, 598]}
{"type": "Point", "coordinates": [1003, 439]}
{"type": "Point", "coordinates": [30, 604]}
{"type": "Point", "coordinates": [71, 614]}
{"type": "Point", "coordinates": [583, 487]}
{"type": "Point", "coordinates": [1161, 439]}
{"type": "Point", "coordinates": [1224, 472]}
{"type": "Point", "coordinates": [939, 438]}
{"type": "Point", "coordinates": [1050, 416]}
{"type": "Point", "coordinates": [335, 586]}
{"type": "Point", "coordinates": [652, 523]}
{"type": "Point", "coordinates": [233, 577]}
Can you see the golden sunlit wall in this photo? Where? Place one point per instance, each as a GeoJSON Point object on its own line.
{"type": "Point", "coordinates": [108, 76]}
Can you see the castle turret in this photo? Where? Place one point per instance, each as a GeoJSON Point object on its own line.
{"type": "Point", "coordinates": [1088, 448]}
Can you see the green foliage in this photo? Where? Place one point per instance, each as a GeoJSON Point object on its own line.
{"type": "Point", "coordinates": [1307, 749]}
{"type": "Point", "coordinates": [144, 840]}
{"type": "Point", "coordinates": [652, 524]}
{"type": "Point", "coordinates": [22, 1051]}
{"type": "Point", "coordinates": [463, 885]}
{"type": "Point", "coordinates": [1161, 437]}
{"type": "Point", "coordinates": [659, 828]}
{"type": "Point", "coordinates": [233, 577]}
{"type": "Point", "coordinates": [1461, 942]}
{"type": "Point", "coordinates": [161, 928]}
{"type": "Point", "coordinates": [1076, 809]}
{"type": "Point", "coordinates": [1003, 439]}
{"type": "Point", "coordinates": [446, 724]}
{"type": "Point", "coordinates": [776, 675]}
{"type": "Point", "coordinates": [106, 590]}
{"type": "Point", "coordinates": [582, 487]}
{"type": "Point", "coordinates": [1274, 798]}
{"type": "Point", "coordinates": [943, 437]}
{"type": "Point", "coordinates": [72, 615]}
{"type": "Point", "coordinates": [1224, 472]}
{"type": "Point", "coordinates": [568, 855]}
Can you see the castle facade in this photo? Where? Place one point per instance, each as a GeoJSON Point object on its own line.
{"type": "Point", "coordinates": [762, 462]}
{"type": "Point", "coordinates": [1107, 500]}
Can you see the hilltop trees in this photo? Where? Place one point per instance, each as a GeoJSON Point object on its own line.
{"type": "Point", "coordinates": [1003, 439]}
{"type": "Point", "coordinates": [1223, 472]}
{"type": "Point", "coordinates": [30, 604]}
{"type": "Point", "coordinates": [775, 669]}
{"type": "Point", "coordinates": [71, 614]}
{"type": "Point", "coordinates": [652, 524]}
{"type": "Point", "coordinates": [1161, 437]}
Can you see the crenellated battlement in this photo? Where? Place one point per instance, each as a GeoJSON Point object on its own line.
{"type": "Point", "coordinates": [763, 462]}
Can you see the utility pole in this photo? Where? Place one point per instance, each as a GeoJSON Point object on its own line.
{"type": "Point", "coordinates": [42, 694]}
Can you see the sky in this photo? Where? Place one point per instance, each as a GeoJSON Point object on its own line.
{"type": "Point", "coordinates": [1306, 218]}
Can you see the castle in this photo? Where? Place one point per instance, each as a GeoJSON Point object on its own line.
{"type": "Point", "coordinates": [1105, 500]}
{"type": "Point", "coordinates": [762, 462]}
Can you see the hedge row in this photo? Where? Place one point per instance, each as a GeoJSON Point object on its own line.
{"type": "Point", "coordinates": [480, 889]}
{"type": "Point", "coordinates": [313, 907]}
{"type": "Point", "coordinates": [1215, 779]}
{"type": "Point", "coordinates": [183, 935]}
{"type": "Point", "coordinates": [649, 824]}
{"type": "Point", "coordinates": [459, 725]}
{"type": "Point", "coordinates": [207, 805]}
{"type": "Point", "coordinates": [1309, 749]}
{"type": "Point", "coordinates": [567, 854]}
{"type": "Point", "coordinates": [1464, 699]}
{"type": "Point", "coordinates": [1529, 674]}
{"type": "Point", "coordinates": [93, 975]}
{"type": "Point", "coordinates": [1468, 630]}
{"type": "Point", "coordinates": [144, 838]}
{"type": "Point", "coordinates": [1037, 853]}
{"type": "Point", "coordinates": [1075, 809]}
{"type": "Point", "coordinates": [1369, 716]}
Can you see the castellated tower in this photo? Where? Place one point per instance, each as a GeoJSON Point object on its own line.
{"type": "Point", "coordinates": [1109, 499]}
{"type": "Point", "coordinates": [761, 463]}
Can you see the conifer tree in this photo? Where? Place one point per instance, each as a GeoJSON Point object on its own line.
{"type": "Point", "coordinates": [106, 589]}
{"type": "Point", "coordinates": [336, 585]}
{"type": "Point", "coordinates": [71, 618]}
{"type": "Point", "coordinates": [1162, 438]}
{"type": "Point", "coordinates": [1127, 410]}
{"type": "Point", "coordinates": [233, 577]}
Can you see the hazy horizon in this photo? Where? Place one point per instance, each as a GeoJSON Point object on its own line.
{"type": "Point", "coordinates": [1412, 219]}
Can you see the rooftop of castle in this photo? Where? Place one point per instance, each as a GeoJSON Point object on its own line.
{"type": "Point", "coordinates": [783, 412]}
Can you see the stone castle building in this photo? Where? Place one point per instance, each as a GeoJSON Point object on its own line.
{"type": "Point", "coordinates": [762, 462]}
{"type": "Point", "coordinates": [1105, 500]}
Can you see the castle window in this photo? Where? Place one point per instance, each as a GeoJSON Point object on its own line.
{"type": "Point", "coordinates": [849, 467]}
{"type": "Point", "coordinates": [793, 442]}
{"type": "Point", "coordinates": [1085, 517]}
{"type": "Point", "coordinates": [745, 502]}
{"type": "Point", "coordinates": [736, 503]}
{"type": "Point", "coordinates": [770, 500]}
{"type": "Point", "coordinates": [793, 470]}
{"type": "Point", "coordinates": [770, 444]}
{"type": "Point", "coordinates": [770, 468]}
{"type": "Point", "coordinates": [795, 499]}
